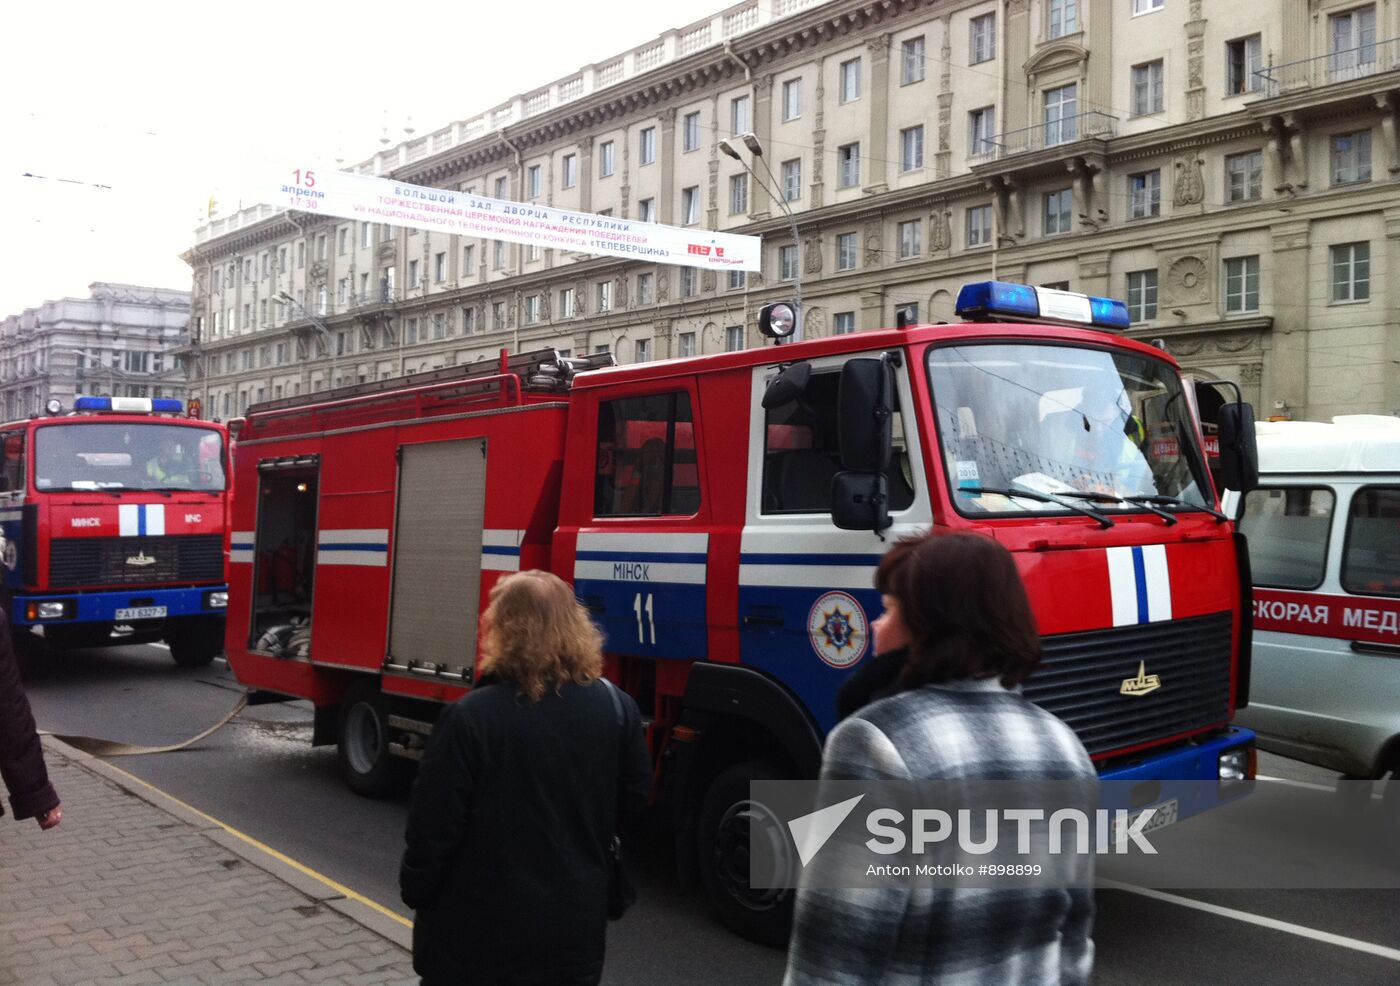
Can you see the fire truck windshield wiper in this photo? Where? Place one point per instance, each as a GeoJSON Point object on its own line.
{"type": "Point", "coordinates": [1110, 498]}
{"type": "Point", "coordinates": [1176, 501]}
{"type": "Point", "coordinates": [1104, 520]}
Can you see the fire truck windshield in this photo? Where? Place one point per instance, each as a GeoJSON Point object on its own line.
{"type": "Point", "coordinates": [127, 456]}
{"type": "Point", "coordinates": [1071, 427]}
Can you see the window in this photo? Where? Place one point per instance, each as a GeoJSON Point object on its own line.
{"type": "Point", "coordinates": [850, 80]}
{"type": "Point", "coordinates": [690, 205]}
{"type": "Point", "coordinates": [1351, 272]}
{"type": "Point", "coordinates": [979, 225]}
{"type": "Point", "coordinates": [848, 163]}
{"type": "Point", "coordinates": [570, 170]}
{"type": "Point", "coordinates": [737, 279]}
{"type": "Point", "coordinates": [911, 60]}
{"type": "Point", "coordinates": [646, 288]}
{"type": "Point", "coordinates": [690, 132]}
{"type": "Point", "coordinates": [410, 336]}
{"type": "Point", "coordinates": [532, 251]}
{"type": "Point", "coordinates": [685, 344]}
{"type": "Point", "coordinates": [282, 256]}
{"type": "Point", "coordinates": [1351, 157]}
{"type": "Point", "coordinates": [532, 181]}
{"type": "Point", "coordinates": [498, 254]}
{"type": "Point", "coordinates": [1147, 88]}
{"type": "Point", "coordinates": [910, 238]}
{"type": "Point", "coordinates": [1244, 176]}
{"type": "Point", "coordinates": [792, 180]}
{"type": "Point", "coordinates": [1061, 114]}
{"type": "Point", "coordinates": [1146, 6]}
{"type": "Point", "coordinates": [845, 251]}
{"type": "Point", "coordinates": [1242, 284]}
{"type": "Point", "coordinates": [566, 302]}
{"type": "Point", "coordinates": [646, 146]}
{"type": "Point", "coordinates": [532, 309]}
{"type": "Point", "coordinates": [843, 323]}
{"type": "Point", "coordinates": [365, 234]}
{"type": "Point", "coordinates": [911, 149]}
{"type": "Point", "coordinates": [1059, 207]}
{"type": "Point", "coordinates": [440, 267]}
{"type": "Point", "coordinates": [247, 359]}
{"type": "Point", "coordinates": [1145, 194]}
{"type": "Point", "coordinates": [981, 126]}
{"type": "Point", "coordinates": [733, 338]}
{"type": "Point", "coordinates": [1287, 531]}
{"type": "Point", "coordinates": [1373, 543]}
{"type": "Point", "coordinates": [503, 187]}
{"type": "Point", "coordinates": [1352, 43]}
{"type": "Point", "coordinates": [439, 326]}
{"type": "Point", "coordinates": [262, 313]}
{"type": "Point", "coordinates": [216, 279]}
{"type": "Point", "coordinates": [498, 315]}
{"type": "Point", "coordinates": [690, 282]}
{"type": "Point", "coordinates": [792, 99]}
{"type": "Point", "coordinates": [646, 210]}
{"type": "Point", "coordinates": [646, 457]}
{"type": "Point", "coordinates": [1063, 18]}
{"type": "Point", "coordinates": [266, 264]}
{"type": "Point", "coordinates": [469, 259]}
{"type": "Point", "coordinates": [603, 297]}
{"type": "Point", "coordinates": [12, 473]}
{"type": "Point", "coordinates": [982, 39]}
{"type": "Point", "coordinates": [321, 247]}
{"type": "Point", "coordinates": [342, 243]}
{"type": "Point", "coordinates": [281, 354]}
{"type": "Point", "coordinates": [323, 300]}
{"type": "Point", "coordinates": [739, 115]}
{"type": "Point", "coordinates": [605, 159]}
{"type": "Point", "coordinates": [738, 194]}
{"type": "Point", "coordinates": [1243, 60]}
{"type": "Point", "coordinates": [413, 281]}
{"type": "Point", "coordinates": [787, 262]}
{"type": "Point", "coordinates": [1142, 295]}
{"type": "Point", "coordinates": [247, 269]}
{"type": "Point", "coordinates": [469, 326]}
{"type": "Point", "coordinates": [342, 292]}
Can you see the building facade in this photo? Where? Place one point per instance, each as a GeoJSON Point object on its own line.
{"type": "Point", "coordinates": [1229, 170]}
{"type": "Point", "coordinates": [118, 341]}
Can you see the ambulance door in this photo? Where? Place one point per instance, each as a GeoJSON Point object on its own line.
{"type": "Point", "coordinates": [437, 558]}
{"type": "Point", "coordinates": [806, 588]}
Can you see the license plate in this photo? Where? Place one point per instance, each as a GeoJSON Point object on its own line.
{"type": "Point", "coordinates": [141, 613]}
{"type": "Point", "coordinates": [1164, 814]}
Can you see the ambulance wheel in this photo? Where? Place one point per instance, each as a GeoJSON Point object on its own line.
{"type": "Point", "coordinates": [363, 744]}
{"type": "Point", "coordinates": [195, 642]}
{"type": "Point", "coordinates": [729, 822]}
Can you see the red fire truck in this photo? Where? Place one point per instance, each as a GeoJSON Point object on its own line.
{"type": "Point", "coordinates": [112, 528]}
{"type": "Point", "coordinates": [722, 518]}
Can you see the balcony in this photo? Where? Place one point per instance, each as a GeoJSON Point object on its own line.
{"type": "Point", "coordinates": [385, 295]}
{"type": "Point", "coordinates": [1345, 65]}
{"type": "Point", "coordinates": [1092, 125]}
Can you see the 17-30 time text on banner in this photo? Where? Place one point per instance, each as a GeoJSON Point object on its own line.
{"type": "Point", "coordinates": [369, 199]}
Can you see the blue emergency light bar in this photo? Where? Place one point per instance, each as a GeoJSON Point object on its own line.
{"type": "Point", "coordinates": [988, 301]}
{"type": "Point", "coordinates": [130, 405]}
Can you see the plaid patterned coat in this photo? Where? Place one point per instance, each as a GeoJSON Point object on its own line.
{"type": "Point", "coordinates": [961, 936]}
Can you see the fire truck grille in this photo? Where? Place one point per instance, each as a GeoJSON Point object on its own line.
{"type": "Point", "coordinates": [1082, 680]}
{"type": "Point", "coordinates": [145, 560]}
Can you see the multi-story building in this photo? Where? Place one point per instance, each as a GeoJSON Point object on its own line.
{"type": "Point", "coordinates": [1229, 169]}
{"type": "Point", "coordinates": [119, 341]}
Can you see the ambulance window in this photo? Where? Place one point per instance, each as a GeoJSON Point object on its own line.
{"type": "Point", "coordinates": [12, 469]}
{"type": "Point", "coordinates": [646, 457]}
{"type": "Point", "coordinates": [801, 453]}
{"type": "Point", "coordinates": [1287, 529]}
{"type": "Point", "coordinates": [1371, 562]}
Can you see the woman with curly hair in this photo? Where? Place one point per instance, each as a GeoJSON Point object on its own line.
{"type": "Point", "coordinates": [517, 800]}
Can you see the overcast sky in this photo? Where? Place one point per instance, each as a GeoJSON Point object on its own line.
{"type": "Point", "coordinates": [135, 113]}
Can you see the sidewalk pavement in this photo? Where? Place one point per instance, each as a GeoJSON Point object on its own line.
{"type": "Point", "coordinates": [135, 888]}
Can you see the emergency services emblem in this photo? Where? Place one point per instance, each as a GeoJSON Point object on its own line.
{"type": "Point", "coordinates": [838, 629]}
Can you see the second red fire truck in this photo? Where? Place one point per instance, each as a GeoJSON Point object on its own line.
{"type": "Point", "coordinates": [722, 518]}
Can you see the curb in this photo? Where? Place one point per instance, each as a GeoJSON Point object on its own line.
{"type": "Point", "coordinates": [312, 885]}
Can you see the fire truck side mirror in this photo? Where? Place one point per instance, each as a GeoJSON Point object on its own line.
{"type": "Point", "coordinates": [1239, 452]}
{"type": "Point", "coordinates": [860, 501]}
{"type": "Point", "coordinates": [864, 415]}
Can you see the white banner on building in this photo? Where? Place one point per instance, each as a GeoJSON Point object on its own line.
{"type": "Point", "coordinates": [369, 199]}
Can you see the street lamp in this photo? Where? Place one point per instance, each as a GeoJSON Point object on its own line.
{"type": "Point", "coordinates": [750, 141]}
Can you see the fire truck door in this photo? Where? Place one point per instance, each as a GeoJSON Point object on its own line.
{"type": "Point", "coordinates": [437, 555]}
{"type": "Point", "coordinates": [806, 588]}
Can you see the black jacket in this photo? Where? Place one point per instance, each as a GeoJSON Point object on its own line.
{"type": "Point", "coordinates": [512, 812]}
{"type": "Point", "coordinates": [21, 757]}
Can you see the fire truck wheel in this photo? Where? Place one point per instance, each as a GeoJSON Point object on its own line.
{"type": "Point", "coordinates": [363, 744]}
{"type": "Point", "coordinates": [729, 819]}
{"type": "Point", "coordinates": [195, 642]}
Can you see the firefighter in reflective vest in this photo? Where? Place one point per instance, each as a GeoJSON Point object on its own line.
{"type": "Point", "coordinates": [168, 467]}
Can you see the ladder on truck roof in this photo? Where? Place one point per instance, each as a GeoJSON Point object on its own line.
{"type": "Point", "coordinates": [539, 371]}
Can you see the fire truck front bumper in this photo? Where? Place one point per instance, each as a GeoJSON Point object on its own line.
{"type": "Point", "coordinates": [1190, 779]}
{"type": "Point", "coordinates": [119, 606]}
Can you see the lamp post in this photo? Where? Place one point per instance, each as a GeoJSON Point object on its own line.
{"type": "Point", "coordinates": [776, 190]}
{"type": "Point", "coordinates": [320, 327]}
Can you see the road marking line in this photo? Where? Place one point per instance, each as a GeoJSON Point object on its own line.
{"type": "Point", "coordinates": [281, 857]}
{"type": "Point", "coordinates": [1309, 785]}
{"type": "Point", "coordinates": [1274, 924]}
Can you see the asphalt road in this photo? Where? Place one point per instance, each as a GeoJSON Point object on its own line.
{"type": "Point", "coordinates": [260, 775]}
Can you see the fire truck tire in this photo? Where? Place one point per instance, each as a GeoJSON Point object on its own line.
{"type": "Point", "coordinates": [362, 744]}
{"type": "Point", "coordinates": [727, 818]}
{"type": "Point", "coordinates": [195, 642]}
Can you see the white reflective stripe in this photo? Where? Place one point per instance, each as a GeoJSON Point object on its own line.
{"type": "Point", "coordinates": [667, 543]}
{"type": "Point", "coordinates": [789, 540]}
{"type": "Point", "coordinates": [10, 514]}
{"type": "Point", "coordinates": [237, 555]}
{"type": "Point", "coordinates": [500, 563]}
{"type": "Point", "coordinates": [1122, 586]}
{"type": "Point", "coordinates": [364, 535]}
{"type": "Point", "coordinates": [1159, 583]}
{"type": "Point", "coordinates": [155, 517]}
{"type": "Point", "coordinates": [809, 576]}
{"type": "Point", "coordinates": [641, 573]}
{"type": "Point", "coordinates": [241, 539]}
{"type": "Point", "coordinates": [128, 519]}
{"type": "Point", "coordinates": [501, 538]}
{"type": "Point", "coordinates": [378, 559]}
